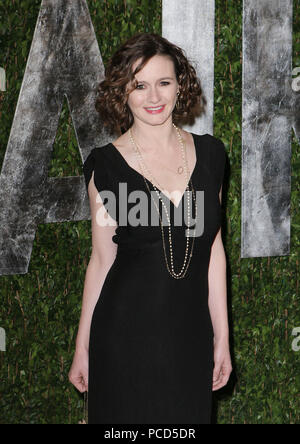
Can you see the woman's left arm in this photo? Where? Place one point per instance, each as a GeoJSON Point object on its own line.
{"type": "Point", "coordinates": [219, 312]}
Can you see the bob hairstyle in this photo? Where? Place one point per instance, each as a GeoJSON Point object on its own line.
{"type": "Point", "coordinates": [113, 91]}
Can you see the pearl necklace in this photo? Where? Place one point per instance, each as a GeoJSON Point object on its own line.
{"type": "Point", "coordinates": [186, 263]}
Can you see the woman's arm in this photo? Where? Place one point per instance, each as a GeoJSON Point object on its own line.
{"type": "Point", "coordinates": [102, 257]}
{"type": "Point", "coordinates": [94, 279]}
{"type": "Point", "coordinates": [219, 312]}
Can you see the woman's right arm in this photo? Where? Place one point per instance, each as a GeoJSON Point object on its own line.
{"type": "Point", "coordinates": [103, 255]}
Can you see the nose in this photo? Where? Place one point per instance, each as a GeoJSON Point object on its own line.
{"type": "Point", "coordinates": [154, 95]}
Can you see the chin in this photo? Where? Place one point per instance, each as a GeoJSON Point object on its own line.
{"type": "Point", "coordinates": [157, 120]}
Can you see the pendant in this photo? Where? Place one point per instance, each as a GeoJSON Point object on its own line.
{"type": "Point", "coordinates": [180, 170]}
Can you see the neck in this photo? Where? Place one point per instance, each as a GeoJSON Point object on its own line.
{"type": "Point", "coordinates": [155, 139]}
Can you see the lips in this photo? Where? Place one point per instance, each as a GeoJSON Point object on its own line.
{"type": "Point", "coordinates": [155, 109]}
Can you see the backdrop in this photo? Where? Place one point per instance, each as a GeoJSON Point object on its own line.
{"type": "Point", "coordinates": [40, 310]}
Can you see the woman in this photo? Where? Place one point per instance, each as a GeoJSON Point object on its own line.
{"type": "Point", "coordinates": [155, 344]}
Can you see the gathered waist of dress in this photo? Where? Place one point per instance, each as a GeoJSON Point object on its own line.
{"type": "Point", "coordinates": [135, 246]}
{"type": "Point", "coordinates": [140, 245]}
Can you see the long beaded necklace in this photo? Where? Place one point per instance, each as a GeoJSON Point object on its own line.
{"type": "Point", "coordinates": [186, 262]}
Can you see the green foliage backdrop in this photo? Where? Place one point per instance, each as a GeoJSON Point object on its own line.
{"type": "Point", "coordinates": [40, 310]}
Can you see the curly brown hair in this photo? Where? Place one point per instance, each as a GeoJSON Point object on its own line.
{"type": "Point", "coordinates": [113, 91]}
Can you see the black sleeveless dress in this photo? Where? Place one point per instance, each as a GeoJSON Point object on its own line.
{"type": "Point", "coordinates": [151, 339]}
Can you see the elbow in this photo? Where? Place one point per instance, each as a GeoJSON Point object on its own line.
{"type": "Point", "coordinates": [102, 260]}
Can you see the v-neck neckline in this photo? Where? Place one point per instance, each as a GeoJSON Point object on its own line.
{"type": "Point", "coordinates": [140, 175]}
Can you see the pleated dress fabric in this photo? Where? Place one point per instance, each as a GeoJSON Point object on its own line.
{"type": "Point", "coordinates": [151, 339]}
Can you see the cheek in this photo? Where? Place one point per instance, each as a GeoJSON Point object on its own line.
{"type": "Point", "coordinates": [172, 94]}
{"type": "Point", "coordinates": [135, 100]}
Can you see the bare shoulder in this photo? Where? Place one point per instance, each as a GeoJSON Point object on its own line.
{"type": "Point", "coordinates": [188, 138]}
{"type": "Point", "coordinates": [122, 142]}
{"type": "Point", "coordinates": [124, 147]}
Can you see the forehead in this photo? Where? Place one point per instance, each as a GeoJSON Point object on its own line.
{"type": "Point", "coordinates": [158, 66]}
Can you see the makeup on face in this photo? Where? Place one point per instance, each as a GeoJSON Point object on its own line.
{"type": "Point", "coordinates": [155, 110]}
{"type": "Point", "coordinates": [154, 98]}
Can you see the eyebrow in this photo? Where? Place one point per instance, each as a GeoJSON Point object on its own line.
{"type": "Point", "coordinates": [162, 78]}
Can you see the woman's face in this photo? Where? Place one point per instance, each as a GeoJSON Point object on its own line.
{"type": "Point", "coordinates": [154, 99]}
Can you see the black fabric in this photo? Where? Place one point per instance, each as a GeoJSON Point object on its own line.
{"type": "Point", "coordinates": [151, 340]}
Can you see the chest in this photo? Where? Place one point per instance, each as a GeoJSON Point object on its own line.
{"type": "Point", "coordinates": [168, 174]}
